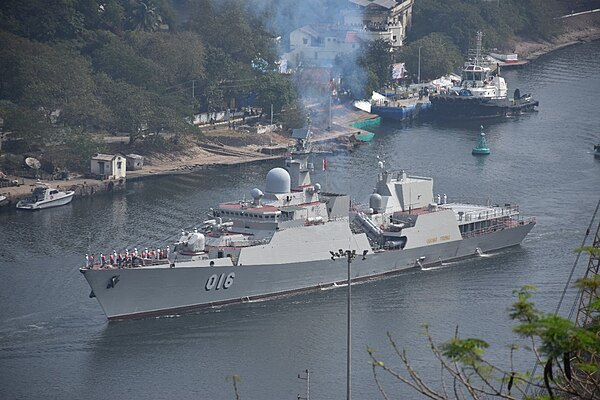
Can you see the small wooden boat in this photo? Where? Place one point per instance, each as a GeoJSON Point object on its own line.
{"type": "Point", "coordinates": [364, 136]}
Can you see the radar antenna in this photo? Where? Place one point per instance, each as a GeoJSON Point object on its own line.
{"type": "Point", "coordinates": [34, 164]}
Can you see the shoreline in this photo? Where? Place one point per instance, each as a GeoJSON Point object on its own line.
{"type": "Point", "coordinates": [577, 29]}
{"type": "Point", "coordinates": [200, 157]}
{"type": "Point", "coordinates": [205, 156]}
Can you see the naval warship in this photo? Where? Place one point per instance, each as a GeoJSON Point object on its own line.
{"type": "Point", "coordinates": [294, 237]}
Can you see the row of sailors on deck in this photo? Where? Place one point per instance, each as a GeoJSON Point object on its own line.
{"type": "Point", "coordinates": [128, 258]}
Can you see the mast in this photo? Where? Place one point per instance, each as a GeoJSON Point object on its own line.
{"type": "Point", "coordinates": [298, 164]}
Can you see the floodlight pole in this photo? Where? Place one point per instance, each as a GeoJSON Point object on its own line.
{"type": "Point", "coordinates": [419, 69]}
{"type": "Point", "coordinates": [349, 256]}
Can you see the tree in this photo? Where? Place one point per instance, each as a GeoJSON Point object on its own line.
{"type": "Point", "coordinates": [376, 59]}
{"type": "Point", "coordinates": [43, 20]}
{"type": "Point", "coordinates": [143, 15]}
{"type": "Point", "coordinates": [275, 89]}
{"type": "Point", "coordinates": [569, 355]}
{"type": "Point", "coordinates": [439, 56]}
{"type": "Point", "coordinates": [38, 81]}
{"type": "Point", "coordinates": [120, 61]}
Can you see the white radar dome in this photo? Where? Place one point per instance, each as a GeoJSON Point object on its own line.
{"type": "Point", "coordinates": [375, 201]}
{"type": "Point", "coordinates": [317, 187]}
{"type": "Point", "coordinates": [256, 193]}
{"type": "Point", "coordinates": [278, 181]}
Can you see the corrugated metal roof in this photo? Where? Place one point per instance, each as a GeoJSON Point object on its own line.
{"type": "Point", "coordinates": [301, 133]}
{"type": "Point", "coordinates": [104, 157]}
{"type": "Point", "coordinates": [382, 3]}
{"type": "Point", "coordinates": [385, 3]}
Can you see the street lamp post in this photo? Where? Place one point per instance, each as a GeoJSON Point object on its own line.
{"type": "Point", "coordinates": [419, 69]}
{"type": "Point", "coordinates": [350, 255]}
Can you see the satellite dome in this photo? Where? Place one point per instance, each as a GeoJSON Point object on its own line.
{"type": "Point", "coordinates": [317, 187]}
{"type": "Point", "coordinates": [278, 181]}
{"type": "Point", "coordinates": [375, 201]}
{"type": "Point", "coordinates": [256, 193]}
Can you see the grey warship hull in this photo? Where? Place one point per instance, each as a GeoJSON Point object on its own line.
{"type": "Point", "coordinates": [158, 290]}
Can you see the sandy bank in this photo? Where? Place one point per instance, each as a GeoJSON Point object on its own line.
{"type": "Point", "coordinates": [575, 30]}
{"type": "Point", "coordinates": [211, 153]}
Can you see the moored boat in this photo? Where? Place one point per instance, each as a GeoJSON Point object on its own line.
{"type": "Point", "coordinates": [44, 196]}
{"type": "Point", "coordinates": [364, 136]}
{"type": "Point", "coordinates": [482, 93]}
{"type": "Point", "coordinates": [285, 240]}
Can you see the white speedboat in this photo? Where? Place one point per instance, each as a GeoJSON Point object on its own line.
{"type": "Point", "coordinates": [44, 196]}
{"type": "Point", "coordinates": [4, 201]}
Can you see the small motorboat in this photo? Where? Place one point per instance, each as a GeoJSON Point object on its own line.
{"type": "Point", "coordinates": [4, 201]}
{"type": "Point", "coordinates": [482, 148]}
{"type": "Point", "coordinates": [44, 196]}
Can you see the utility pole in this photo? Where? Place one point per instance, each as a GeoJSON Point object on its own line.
{"type": "Point", "coordinates": [271, 113]}
{"type": "Point", "coordinates": [419, 69]}
{"type": "Point", "coordinates": [329, 124]}
{"type": "Point", "coordinates": [350, 255]}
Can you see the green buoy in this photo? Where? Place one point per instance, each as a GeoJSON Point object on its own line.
{"type": "Point", "coordinates": [482, 148]}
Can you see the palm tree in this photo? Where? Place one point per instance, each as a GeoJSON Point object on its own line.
{"type": "Point", "coordinates": [144, 17]}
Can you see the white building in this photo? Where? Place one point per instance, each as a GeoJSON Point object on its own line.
{"type": "Point", "coordinates": [108, 166]}
{"type": "Point", "coordinates": [319, 44]}
{"type": "Point", "coordinates": [380, 19]}
{"type": "Point", "coordinates": [364, 20]}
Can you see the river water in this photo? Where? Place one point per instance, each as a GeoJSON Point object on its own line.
{"type": "Point", "coordinates": [55, 342]}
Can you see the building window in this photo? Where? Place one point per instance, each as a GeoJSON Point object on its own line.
{"type": "Point", "coordinates": [119, 164]}
{"type": "Point", "coordinates": [304, 40]}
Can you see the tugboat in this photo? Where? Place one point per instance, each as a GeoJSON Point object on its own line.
{"type": "Point", "coordinates": [481, 94]}
{"type": "Point", "coordinates": [482, 148]}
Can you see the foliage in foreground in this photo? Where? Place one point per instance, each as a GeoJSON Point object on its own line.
{"type": "Point", "coordinates": [568, 355]}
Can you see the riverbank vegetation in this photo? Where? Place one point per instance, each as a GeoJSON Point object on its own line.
{"type": "Point", "coordinates": [72, 71]}
{"type": "Point", "coordinates": [446, 30]}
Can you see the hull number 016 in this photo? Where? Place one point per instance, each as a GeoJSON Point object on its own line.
{"type": "Point", "coordinates": [217, 282]}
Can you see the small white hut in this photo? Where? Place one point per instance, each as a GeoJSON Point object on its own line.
{"type": "Point", "coordinates": [108, 166]}
{"type": "Point", "coordinates": [134, 162]}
